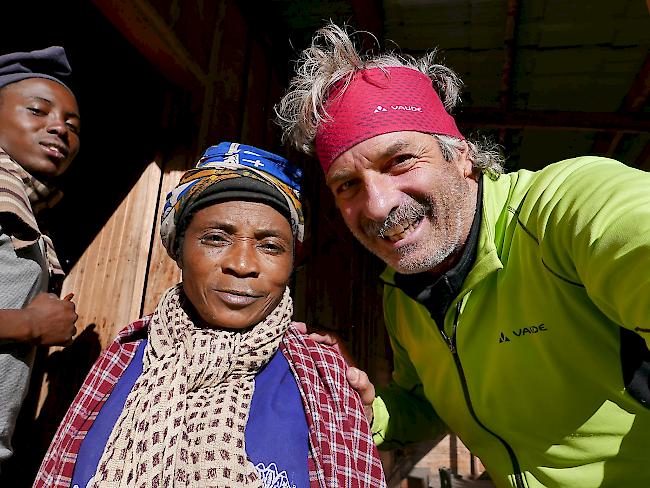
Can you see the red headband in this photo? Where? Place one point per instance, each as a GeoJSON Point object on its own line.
{"type": "Point", "coordinates": [377, 102]}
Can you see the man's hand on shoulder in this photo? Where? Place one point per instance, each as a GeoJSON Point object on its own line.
{"type": "Point", "coordinates": [357, 378]}
{"type": "Point", "coordinates": [46, 321]}
{"type": "Point", "coordinates": [329, 339]}
{"type": "Point", "coordinates": [360, 382]}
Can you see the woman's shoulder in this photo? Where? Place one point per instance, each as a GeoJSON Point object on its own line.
{"type": "Point", "coordinates": [135, 330]}
{"type": "Point", "coordinates": [300, 343]}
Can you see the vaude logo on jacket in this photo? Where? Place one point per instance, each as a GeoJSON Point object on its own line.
{"type": "Point", "coordinates": [535, 329]}
{"type": "Point", "coordinates": [408, 108]}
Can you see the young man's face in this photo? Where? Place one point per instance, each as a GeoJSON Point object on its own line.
{"type": "Point", "coordinates": [39, 126]}
{"type": "Point", "coordinates": [403, 201]}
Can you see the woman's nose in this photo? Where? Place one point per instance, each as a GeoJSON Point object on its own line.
{"type": "Point", "coordinates": [241, 259]}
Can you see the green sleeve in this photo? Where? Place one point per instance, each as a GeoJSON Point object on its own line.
{"type": "Point", "coordinates": [600, 214]}
{"type": "Point", "coordinates": [402, 414]}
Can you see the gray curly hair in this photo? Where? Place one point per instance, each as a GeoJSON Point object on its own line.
{"type": "Point", "coordinates": [332, 57]}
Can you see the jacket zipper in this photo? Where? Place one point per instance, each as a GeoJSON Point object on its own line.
{"type": "Point", "coordinates": [519, 481]}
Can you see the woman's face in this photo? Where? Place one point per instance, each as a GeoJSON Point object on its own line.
{"type": "Point", "coordinates": [236, 260]}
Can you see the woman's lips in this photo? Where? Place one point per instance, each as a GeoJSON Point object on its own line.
{"type": "Point", "coordinates": [237, 298]}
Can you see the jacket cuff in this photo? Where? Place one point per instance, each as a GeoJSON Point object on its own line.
{"type": "Point", "coordinates": [379, 421]}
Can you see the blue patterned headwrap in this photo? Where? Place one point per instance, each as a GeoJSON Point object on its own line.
{"type": "Point", "coordinates": [232, 171]}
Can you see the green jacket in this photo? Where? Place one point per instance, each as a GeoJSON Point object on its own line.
{"type": "Point", "coordinates": [539, 375]}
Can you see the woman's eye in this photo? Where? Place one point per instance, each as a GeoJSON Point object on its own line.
{"type": "Point", "coordinates": [272, 247]}
{"type": "Point", "coordinates": [214, 239]}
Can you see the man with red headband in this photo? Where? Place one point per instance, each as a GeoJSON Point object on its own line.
{"type": "Point", "coordinates": [518, 305]}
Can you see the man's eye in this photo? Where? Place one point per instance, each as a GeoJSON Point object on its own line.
{"type": "Point", "coordinates": [345, 186]}
{"type": "Point", "coordinates": [36, 110]}
{"type": "Point", "coordinates": [74, 128]}
{"type": "Point", "coordinates": [403, 160]}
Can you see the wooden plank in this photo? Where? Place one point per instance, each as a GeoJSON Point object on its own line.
{"type": "Point", "coordinates": [256, 107]}
{"type": "Point", "coordinates": [108, 285]}
{"type": "Point", "coordinates": [509, 49]}
{"type": "Point", "coordinates": [210, 93]}
{"type": "Point", "coordinates": [613, 144]}
{"type": "Point", "coordinates": [418, 478]}
{"type": "Point", "coordinates": [112, 290]}
{"type": "Point", "coordinates": [272, 136]}
{"type": "Point", "coordinates": [150, 194]}
{"type": "Point", "coordinates": [228, 80]}
{"type": "Point", "coordinates": [640, 89]}
{"type": "Point", "coordinates": [162, 271]}
{"type": "Point", "coordinates": [193, 23]}
{"type": "Point", "coordinates": [643, 161]}
{"type": "Point", "coordinates": [145, 29]}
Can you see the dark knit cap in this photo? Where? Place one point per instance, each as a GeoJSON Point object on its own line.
{"type": "Point", "coordinates": [50, 63]}
{"type": "Point", "coordinates": [248, 189]}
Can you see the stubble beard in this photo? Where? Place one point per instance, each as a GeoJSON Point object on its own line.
{"type": "Point", "coordinates": [434, 248]}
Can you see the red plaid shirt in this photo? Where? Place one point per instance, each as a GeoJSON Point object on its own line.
{"type": "Point", "coordinates": [341, 450]}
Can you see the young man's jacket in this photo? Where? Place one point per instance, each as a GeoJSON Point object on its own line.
{"type": "Point", "coordinates": [23, 274]}
{"type": "Point", "coordinates": [542, 363]}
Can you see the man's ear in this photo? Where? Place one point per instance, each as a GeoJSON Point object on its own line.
{"type": "Point", "coordinates": [465, 163]}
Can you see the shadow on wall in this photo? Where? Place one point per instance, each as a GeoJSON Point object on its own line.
{"type": "Point", "coordinates": [66, 370]}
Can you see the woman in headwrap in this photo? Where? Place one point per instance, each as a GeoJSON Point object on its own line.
{"type": "Point", "coordinates": [216, 388]}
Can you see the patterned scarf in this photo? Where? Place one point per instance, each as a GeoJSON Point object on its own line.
{"type": "Point", "coordinates": [183, 424]}
{"type": "Point", "coordinates": [21, 197]}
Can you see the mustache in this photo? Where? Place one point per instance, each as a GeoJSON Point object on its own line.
{"type": "Point", "coordinates": [410, 211]}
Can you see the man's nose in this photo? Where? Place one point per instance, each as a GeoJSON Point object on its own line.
{"type": "Point", "coordinates": [57, 125]}
{"type": "Point", "coordinates": [241, 259]}
{"type": "Point", "coordinates": [382, 196]}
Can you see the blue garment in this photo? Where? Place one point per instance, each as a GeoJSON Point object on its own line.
{"type": "Point", "coordinates": [92, 447]}
{"type": "Point", "coordinates": [276, 433]}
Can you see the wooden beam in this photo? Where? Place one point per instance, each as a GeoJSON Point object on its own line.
{"type": "Point", "coordinates": [492, 118]}
{"type": "Point", "coordinates": [643, 161]}
{"type": "Point", "coordinates": [509, 48]}
{"type": "Point", "coordinates": [604, 143]}
{"type": "Point", "coordinates": [146, 30]}
{"type": "Point", "coordinates": [634, 101]}
{"type": "Point", "coordinates": [616, 139]}
{"type": "Point", "coordinates": [228, 77]}
{"type": "Point", "coordinates": [210, 93]}
{"type": "Point", "coordinates": [509, 45]}
{"type": "Point", "coordinates": [640, 89]}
